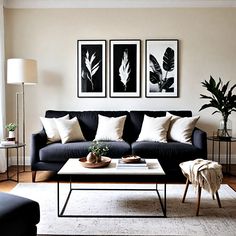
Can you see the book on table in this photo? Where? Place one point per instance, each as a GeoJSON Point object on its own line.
{"type": "Point", "coordinates": [141, 164]}
{"type": "Point", "coordinates": [7, 143]}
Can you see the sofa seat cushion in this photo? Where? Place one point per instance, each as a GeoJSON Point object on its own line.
{"type": "Point", "coordinates": [171, 149]}
{"type": "Point", "coordinates": [58, 152]}
{"type": "Point", "coordinates": [169, 154]}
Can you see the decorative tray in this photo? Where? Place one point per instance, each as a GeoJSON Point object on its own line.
{"type": "Point", "coordinates": [131, 159]}
{"type": "Point", "coordinates": [105, 162]}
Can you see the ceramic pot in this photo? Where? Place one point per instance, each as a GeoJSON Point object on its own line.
{"type": "Point", "coordinates": [11, 134]}
{"type": "Point", "coordinates": [91, 158]}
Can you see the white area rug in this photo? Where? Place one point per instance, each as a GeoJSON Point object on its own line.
{"type": "Point", "coordinates": [181, 219]}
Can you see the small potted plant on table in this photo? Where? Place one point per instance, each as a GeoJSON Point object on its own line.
{"type": "Point", "coordinates": [11, 131]}
{"type": "Point", "coordinates": [97, 150]}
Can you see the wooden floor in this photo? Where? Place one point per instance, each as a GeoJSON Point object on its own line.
{"type": "Point", "coordinates": [46, 176]}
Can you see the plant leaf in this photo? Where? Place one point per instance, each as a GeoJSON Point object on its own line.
{"type": "Point", "coordinates": [155, 67]}
{"type": "Point", "coordinates": [154, 78]}
{"type": "Point", "coordinates": [155, 70]}
{"type": "Point", "coordinates": [205, 106]}
{"type": "Point", "coordinates": [205, 97]}
{"type": "Point", "coordinates": [88, 65]}
{"type": "Point", "coordinates": [166, 85]}
{"type": "Point", "coordinates": [168, 59]}
{"type": "Point", "coordinates": [124, 69]}
{"type": "Point", "coordinates": [224, 88]}
{"type": "Point", "coordinates": [92, 58]}
{"type": "Point", "coordinates": [95, 68]}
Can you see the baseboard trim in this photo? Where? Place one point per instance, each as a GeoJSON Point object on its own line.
{"type": "Point", "coordinates": [223, 158]}
{"type": "Point", "coordinates": [13, 161]}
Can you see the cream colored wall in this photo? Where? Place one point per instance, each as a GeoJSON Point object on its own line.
{"type": "Point", "coordinates": [207, 47]}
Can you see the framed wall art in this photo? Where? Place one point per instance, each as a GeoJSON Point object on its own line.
{"type": "Point", "coordinates": [91, 68]}
{"type": "Point", "coordinates": [162, 68]}
{"type": "Point", "coordinates": [125, 68]}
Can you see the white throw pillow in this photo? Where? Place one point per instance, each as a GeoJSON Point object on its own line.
{"type": "Point", "coordinates": [181, 128]}
{"type": "Point", "coordinates": [69, 130]}
{"type": "Point", "coordinates": [110, 128]}
{"type": "Point", "coordinates": [154, 129]}
{"type": "Point", "coordinates": [50, 128]}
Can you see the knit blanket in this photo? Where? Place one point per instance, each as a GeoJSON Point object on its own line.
{"type": "Point", "coordinates": [207, 174]}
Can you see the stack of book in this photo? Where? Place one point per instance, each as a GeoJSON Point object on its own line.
{"type": "Point", "coordinates": [7, 143]}
{"type": "Point", "coordinates": [132, 165]}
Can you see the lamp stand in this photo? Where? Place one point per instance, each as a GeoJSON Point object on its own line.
{"type": "Point", "coordinates": [23, 119]}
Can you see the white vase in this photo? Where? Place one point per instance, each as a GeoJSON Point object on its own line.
{"type": "Point", "coordinates": [11, 134]}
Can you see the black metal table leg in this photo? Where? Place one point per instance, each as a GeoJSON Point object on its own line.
{"type": "Point", "coordinates": [61, 213]}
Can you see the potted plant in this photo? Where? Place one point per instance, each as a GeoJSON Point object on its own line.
{"type": "Point", "coordinates": [11, 131]}
{"type": "Point", "coordinates": [222, 99]}
{"type": "Point", "coordinates": [97, 150]}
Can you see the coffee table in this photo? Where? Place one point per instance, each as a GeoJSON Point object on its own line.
{"type": "Point", "coordinates": [73, 168]}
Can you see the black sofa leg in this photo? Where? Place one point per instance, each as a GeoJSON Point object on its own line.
{"type": "Point", "coordinates": [33, 176]}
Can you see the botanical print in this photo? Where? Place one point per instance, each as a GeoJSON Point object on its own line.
{"type": "Point", "coordinates": [161, 68]}
{"type": "Point", "coordinates": [91, 68]}
{"type": "Point", "coordinates": [125, 68]}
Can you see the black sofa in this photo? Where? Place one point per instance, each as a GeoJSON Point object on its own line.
{"type": "Point", "coordinates": [52, 156]}
{"type": "Point", "coordinates": [18, 216]}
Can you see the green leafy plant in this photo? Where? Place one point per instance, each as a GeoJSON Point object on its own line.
{"type": "Point", "coordinates": [11, 127]}
{"type": "Point", "coordinates": [222, 98]}
{"type": "Point", "coordinates": [99, 149]}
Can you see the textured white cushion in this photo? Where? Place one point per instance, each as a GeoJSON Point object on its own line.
{"type": "Point", "coordinates": [181, 128]}
{"type": "Point", "coordinates": [110, 128]}
{"type": "Point", "coordinates": [154, 129]}
{"type": "Point", "coordinates": [50, 128]}
{"type": "Point", "coordinates": [69, 130]}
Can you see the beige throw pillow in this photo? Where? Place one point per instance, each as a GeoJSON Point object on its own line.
{"type": "Point", "coordinates": [50, 128]}
{"type": "Point", "coordinates": [154, 129]}
{"type": "Point", "coordinates": [110, 128]}
{"type": "Point", "coordinates": [181, 128]}
{"type": "Point", "coordinates": [69, 130]}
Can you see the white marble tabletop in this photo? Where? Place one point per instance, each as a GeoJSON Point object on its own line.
{"type": "Point", "coordinates": [74, 167]}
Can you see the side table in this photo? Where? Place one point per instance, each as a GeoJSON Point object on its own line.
{"type": "Point", "coordinates": [216, 140]}
{"type": "Point", "coordinates": [16, 146]}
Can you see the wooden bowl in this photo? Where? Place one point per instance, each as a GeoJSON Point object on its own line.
{"type": "Point", "coordinates": [105, 162]}
{"type": "Point", "coordinates": [131, 159]}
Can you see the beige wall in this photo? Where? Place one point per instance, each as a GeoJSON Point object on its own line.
{"type": "Point", "coordinates": [207, 47]}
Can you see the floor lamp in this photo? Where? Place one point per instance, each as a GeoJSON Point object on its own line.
{"type": "Point", "coordinates": [24, 72]}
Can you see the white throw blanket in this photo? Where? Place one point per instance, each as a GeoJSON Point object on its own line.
{"type": "Point", "coordinates": [206, 173]}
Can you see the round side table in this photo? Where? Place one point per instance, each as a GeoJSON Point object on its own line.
{"type": "Point", "coordinates": [217, 140]}
{"type": "Point", "coordinates": [16, 146]}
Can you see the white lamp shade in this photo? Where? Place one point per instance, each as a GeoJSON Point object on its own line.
{"type": "Point", "coordinates": [21, 71]}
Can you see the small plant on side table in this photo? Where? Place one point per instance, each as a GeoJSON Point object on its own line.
{"type": "Point", "coordinates": [11, 127]}
{"type": "Point", "coordinates": [11, 131]}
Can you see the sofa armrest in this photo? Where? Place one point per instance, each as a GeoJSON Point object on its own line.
{"type": "Point", "coordinates": [199, 140]}
{"type": "Point", "coordinates": [38, 141]}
